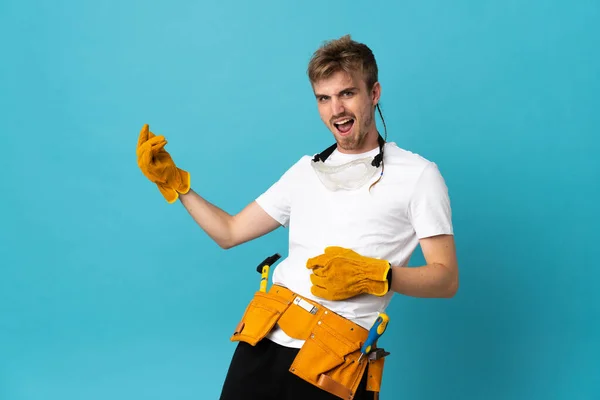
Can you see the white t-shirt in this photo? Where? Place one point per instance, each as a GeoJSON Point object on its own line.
{"type": "Point", "coordinates": [410, 202]}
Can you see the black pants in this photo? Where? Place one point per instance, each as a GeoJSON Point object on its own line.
{"type": "Point", "coordinates": [262, 372]}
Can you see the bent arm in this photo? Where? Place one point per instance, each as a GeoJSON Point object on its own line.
{"type": "Point", "coordinates": [438, 278]}
{"type": "Point", "coordinates": [225, 229]}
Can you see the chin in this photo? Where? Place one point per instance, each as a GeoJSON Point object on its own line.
{"type": "Point", "coordinates": [347, 143]}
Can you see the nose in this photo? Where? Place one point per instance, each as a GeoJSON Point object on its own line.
{"type": "Point", "coordinates": [337, 106]}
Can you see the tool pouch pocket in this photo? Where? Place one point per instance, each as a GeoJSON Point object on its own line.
{"type": "Point", "coordinates": [375, 374]}
{"type": "Point", "coordinates": [298, 321]}
{"type": "Point", "coordinates": [261, 315]}
{"type": "Point", "coordinates": [329, 360]}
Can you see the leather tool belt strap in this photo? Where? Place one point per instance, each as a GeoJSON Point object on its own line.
{"type": "Point", "coordinates": [329, 356]}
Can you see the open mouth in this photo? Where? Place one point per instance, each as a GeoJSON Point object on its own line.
{"type": "Point", "coordinates": [344, 126]}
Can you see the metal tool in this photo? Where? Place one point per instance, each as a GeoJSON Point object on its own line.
{"type": "Point", "coordinates": [377, 354]}
{"type": "Point", "coordinates": [375, 332]}
{"type": "Point", "coordinates": [263, 269]}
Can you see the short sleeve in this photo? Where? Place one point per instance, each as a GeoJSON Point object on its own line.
{"type": "Point", "coordinates": [277, 199]}
{"type": "Point", "coordinates": [429, 208]}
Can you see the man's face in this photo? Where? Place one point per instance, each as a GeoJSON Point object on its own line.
{"type": "Point", "coordinates": [347, 108]}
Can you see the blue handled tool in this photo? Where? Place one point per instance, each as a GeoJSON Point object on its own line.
{"type": "Point", "coordinates": [263, 270]}
{"type": "Point", "coordinates": [375, 332]}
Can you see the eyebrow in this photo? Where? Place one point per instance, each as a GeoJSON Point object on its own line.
{"type": "Point", "coordinates": [348, 89]}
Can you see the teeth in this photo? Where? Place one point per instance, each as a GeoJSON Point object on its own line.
{"type": "Point", "coordinates": [343, 121]}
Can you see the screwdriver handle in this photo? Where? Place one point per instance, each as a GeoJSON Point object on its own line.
{"type": "Point", "coordinates": [375, 332]}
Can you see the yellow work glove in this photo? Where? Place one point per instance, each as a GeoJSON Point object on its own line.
{"type": "Point", "coordinates": [158, 166]}
{"type": "Point", "coordinates": [340, 273]}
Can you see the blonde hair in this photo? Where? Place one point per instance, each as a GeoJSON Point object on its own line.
{"type": "Point", "coordinates": [343, 54]}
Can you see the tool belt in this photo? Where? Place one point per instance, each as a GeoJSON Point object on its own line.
{"type": "Point", "coordinates": [329, 356]}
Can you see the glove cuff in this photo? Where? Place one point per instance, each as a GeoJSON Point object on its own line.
{"type": "Point", "coordinates": [186, 180]}
{"type": "Point", "coordinates": [382, 284]}
{"type": "Point", "coordinates": [389, 275]}
{"type": "Point", "coordinates": [389, 278]}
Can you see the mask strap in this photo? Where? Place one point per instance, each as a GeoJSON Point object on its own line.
{"type": "Point", "coordinates": [379, 157]}
{"type": "Point", "coordinates": [325, 153]}
{"type": "Point", "coordinates": [322, 156]}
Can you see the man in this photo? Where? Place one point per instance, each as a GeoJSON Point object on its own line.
{"type": "Point", "coordinates": [355, 213]}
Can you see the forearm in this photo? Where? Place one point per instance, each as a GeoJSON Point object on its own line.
{"type": "Point", "coordinates": [431, 280]}
{"type": "Point", "coordinates": [214, 221]}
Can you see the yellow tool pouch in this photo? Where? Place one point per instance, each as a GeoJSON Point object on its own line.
{"type": "Point", "coordinates": [260, 317]}
{"type": "Point", "coordinates": [329, 357]}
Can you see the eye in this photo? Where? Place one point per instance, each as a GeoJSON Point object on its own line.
{"type": "Point", "coordinates": [347, 93]}
{"type": "Point", "coordinates": [323, 99]}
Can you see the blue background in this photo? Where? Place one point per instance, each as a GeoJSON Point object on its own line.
{"type": "Point", "coordinates": [108, 292]}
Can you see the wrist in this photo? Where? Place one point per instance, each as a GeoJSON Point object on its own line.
{"type": "Point", "coordinates": [187, 193]}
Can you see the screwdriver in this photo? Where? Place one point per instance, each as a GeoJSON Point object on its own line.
{"type": "Point", "coordinates": [263, 269]}
{"type": "Point", "coordinates": [375, 332]}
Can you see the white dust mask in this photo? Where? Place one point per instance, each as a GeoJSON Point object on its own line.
{"type": "Point", "coordinates": [351, 175]}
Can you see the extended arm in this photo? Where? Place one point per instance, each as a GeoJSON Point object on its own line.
{"type": "Point", "coordinates": [341, 273]}
{"type": "Point", "coordinates": [438, 278]}
{"type": "Point", "coordinates": [225, 229]}
{"type": "Point", "coordinates": [174, 183]}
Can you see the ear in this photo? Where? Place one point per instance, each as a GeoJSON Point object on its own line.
{"type": "Point", "coordinates": [376, 93]}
